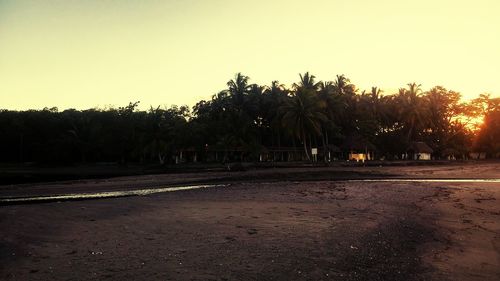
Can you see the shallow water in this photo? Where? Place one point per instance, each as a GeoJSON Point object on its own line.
{"type": "Point", "coordinates": [109, 194]}
{"type": "Point", "coordinates": [426, 180]}
{"type": "Point", "coordinates": [148, 191]}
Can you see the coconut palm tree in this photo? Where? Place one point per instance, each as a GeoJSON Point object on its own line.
{"type": "Point", "coordinates": [307, 81]}
{"type": "Point", "coordinates": [412, 110]}
{"type": "Point", "coordinates": [346, 93]}
{"type": "Point", "coordinates": [342, 85]}
{"type": "Point", "coordinates": [375, 100]}
{"type": "Point", "coordinates": [238, 88]}
{"type": "Point", "coordinates": [333, 106]}
{"type": "Point", "coordinates": [273, 98]}
{"type": "Point", "coordinates": [303, 116]}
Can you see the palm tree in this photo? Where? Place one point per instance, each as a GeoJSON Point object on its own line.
{"type": "Point", "coordinates": [368, 113]}
{"type": "Point", "coordinates": [375, 103]}
{"type": "Point", "coordinates": [238, 89]}
{"type": "Point", "coordinates": [307, 81]}
{"type": "Point", "coordinates": [303, 115]}
{"type": "Point", "coordinates": [326, 94]}
{"type": "Point", "coordinates": [274, 97]}
{"type": "Point", "coordinates": [412, 109]}
{"type": "Point", "coordinates": [346, 93]}
{"type": "Point", "coordinates": [332, 108]}
{"type": "Point", "coordinates": [342, 85]}
{"type": "Point", "coordinates": [375, 94]}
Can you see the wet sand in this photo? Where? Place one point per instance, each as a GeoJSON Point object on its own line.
{"type": "Point", "coordinates": [262, 226]}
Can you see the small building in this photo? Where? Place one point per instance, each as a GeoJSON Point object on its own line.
{"type": "Point", "coordinates": [477, 155]}
{"type": "Point", "coordinates": [358, 149]}
{"type": "Point", "coordinates": [282, 154]}
{"type": "Point", "coordinates": [220, 153]}
{"type": "Point", "coordinates": [419, 150]}
{"type": "Point", "coordinates": [290, 153]}
{"type": "Point", "coordinates": [451, 154]}
{"type": "Point", "coordinates": [189, 154]}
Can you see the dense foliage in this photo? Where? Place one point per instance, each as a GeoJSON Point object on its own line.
{"type": "Point", "coordinates": [250, 118]}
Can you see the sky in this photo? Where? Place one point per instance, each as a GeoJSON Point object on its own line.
{"type": "Point", "coordinates": [102, 53]}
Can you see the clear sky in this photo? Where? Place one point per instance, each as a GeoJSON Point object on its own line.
{"type": "Point", "coordinates": [82, 54]}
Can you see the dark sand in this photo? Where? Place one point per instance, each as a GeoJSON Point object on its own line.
{"type": "Point", "coordinates": [284, 224]}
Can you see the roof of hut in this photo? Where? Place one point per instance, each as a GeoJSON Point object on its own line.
{"type": "Point", "coordinates": [420, 147]}
{"type": "Point", "coordinates": [356, 142]}
{"type": "Point", "coordinates": [450, 152]}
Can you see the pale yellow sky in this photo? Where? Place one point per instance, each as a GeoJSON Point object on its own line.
{"type": "Point", "coordinates": [83, 54]}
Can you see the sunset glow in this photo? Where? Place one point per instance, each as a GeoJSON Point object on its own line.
{"type": "Point", "coordinates": [83, 54]}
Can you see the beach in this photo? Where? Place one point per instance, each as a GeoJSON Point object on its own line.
{"type": "Point", "coordinates": [318, 223]}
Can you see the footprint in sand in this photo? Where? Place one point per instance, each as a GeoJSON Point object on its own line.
{"type": "Point", "coordinates": [230, 238]}
{"type": "Point", "coordinates": [252, 231]}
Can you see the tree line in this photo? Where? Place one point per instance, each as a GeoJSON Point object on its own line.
{"type": "Point", "coordinates": [250, 118]}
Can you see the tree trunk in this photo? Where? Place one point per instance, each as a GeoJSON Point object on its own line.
{"type": "Point", "coordinates": [327, 141]}
{"type": "Point", "coordinates": [279, 145]}
{"type": "Point", "coordinates": [305, 146]}
{"type": "Point", "coordinates": [82, 155]}
{"type": "Point", "coordinates": [21, 148]}
{"type": "Point", "coordinates": [161, 158]}
{"type": "Point", "coordinates": [324, 150]}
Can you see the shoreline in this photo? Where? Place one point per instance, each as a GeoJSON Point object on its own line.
{"type": "Point", "coordinates": [275, 230]}
{"type": "Point", "coordinates": [38, 173]}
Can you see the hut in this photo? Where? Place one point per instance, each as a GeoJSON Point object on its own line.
{"type": "Point", "coordinates": [419, 150]}
{"type": "Point", "coordinates": [358, 148]}
{"type": "Point", "coordinates": [279, 154]}
{"type": "Point", "coordinates": [450, 154]}
{"type": "Point", "coordinates": [477, 155]}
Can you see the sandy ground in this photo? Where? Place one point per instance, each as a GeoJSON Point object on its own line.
{"type": "Point", "coordinates": [265, 225]}
{"type": "Point", "coordinates": [467, 170]}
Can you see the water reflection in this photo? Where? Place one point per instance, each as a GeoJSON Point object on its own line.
{"type": "Point", "coordinates": [148, 191]}
{"type": "Point", "coordinates": [108, 194]}
{"type": "Point", "coordinates": [426, 180]}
